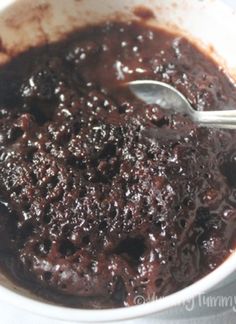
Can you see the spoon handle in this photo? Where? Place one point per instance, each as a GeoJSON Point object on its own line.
{"type": "Point", "coordinates": [220, 119]}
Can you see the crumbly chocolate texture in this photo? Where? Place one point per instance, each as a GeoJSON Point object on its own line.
{"type": "Point", "coordinates": [104, 198]}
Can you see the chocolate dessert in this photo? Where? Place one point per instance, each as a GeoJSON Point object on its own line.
{"type": "Point", "coordinates": [104, 198]}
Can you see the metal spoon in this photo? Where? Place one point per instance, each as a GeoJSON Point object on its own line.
{"type": "Point", "coordinates": [167, 97]}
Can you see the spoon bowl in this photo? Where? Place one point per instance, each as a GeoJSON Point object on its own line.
{"type": "Point", "coordinates": [169, 98]}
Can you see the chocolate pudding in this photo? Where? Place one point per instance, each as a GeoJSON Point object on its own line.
{"type": "Point", "coordinates": [104, 198]}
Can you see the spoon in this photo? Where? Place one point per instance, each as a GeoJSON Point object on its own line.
{"type": "Point", "coordinates": [167, 97]}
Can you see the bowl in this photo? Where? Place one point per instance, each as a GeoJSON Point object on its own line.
{"type": "Point", "coordinates": [26, 23]}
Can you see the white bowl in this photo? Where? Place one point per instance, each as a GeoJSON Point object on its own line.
{"type": "Point", "coordinates": [209, 23]}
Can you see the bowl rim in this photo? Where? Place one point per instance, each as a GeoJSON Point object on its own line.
{"type": "Point", "coordinates": [179, 298]}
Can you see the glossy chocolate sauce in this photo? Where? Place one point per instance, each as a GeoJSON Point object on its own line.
{"type": "Point", "coordinates": [104, 198]}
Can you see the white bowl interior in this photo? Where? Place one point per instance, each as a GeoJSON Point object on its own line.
{"type": "Point", "coordinates": [28, 23]}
